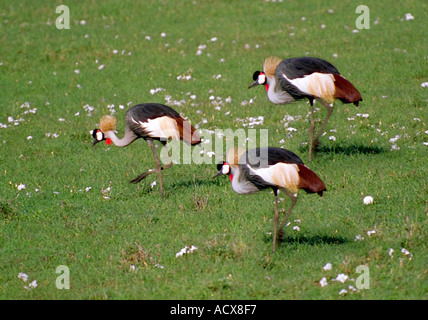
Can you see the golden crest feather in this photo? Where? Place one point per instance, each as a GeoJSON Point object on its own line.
{"type": "Point", "coordinates": [234, 154]}
{"type": "Point", "coordinates": [108, 123]}
{"type": "Point", "coordinates": [270, 64]}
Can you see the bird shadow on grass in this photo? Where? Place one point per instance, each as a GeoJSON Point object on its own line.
{"type": "Point", "coordinates": [313, 240]}
{"type": "Point", "coordinates": [353, 149]}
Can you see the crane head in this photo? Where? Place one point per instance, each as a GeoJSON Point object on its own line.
{"type": "Point", "coordinates": [99, 136]}
{"type": "Point", "coordinates": [223, 169]}
{"type": "Point", "coordinates": [259, 78]}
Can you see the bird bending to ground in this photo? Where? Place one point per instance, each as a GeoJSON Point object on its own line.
{"type": "Point", "coordinates": [150, 121]}
{"type": "Point", "coordinates": [276, 168]}
{"type": "Point", "coordinates": [306, 77]}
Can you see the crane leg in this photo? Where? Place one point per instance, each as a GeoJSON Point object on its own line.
{"type": "Point", "coordinates": [275, 221]}
{"type": "Point", "coordinates": [311, 133]}
{"type": "Point", "coordinates": [313, 142]}
{"type": "Point", "coordinates": [158, 165]}
{"type": "Point", "coordinates": [158, 169]}
{"type": "Point", "coordinates": [145, 174]}
{"type": "Point", "coordinates": [293, 203]}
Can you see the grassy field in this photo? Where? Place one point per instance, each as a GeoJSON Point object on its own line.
{"type": "Point", "coordinates": [63, 203]}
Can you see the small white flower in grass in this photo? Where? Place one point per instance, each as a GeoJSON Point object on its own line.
{"type": "Point", "coordinates": [341, 277]}
{"type": "Point", "coordinates": [370, 232]}
{"type": "Point", "coordinates": [394, 147]}
{"type": "Point", "coordinates": [115, 51]}
{"type": "Point", "coordinates": [88, 188]}
{"type": "Point", "coordinates": [358, 238]}
{"type": "Point", "coordinates": [424, 84]}
{"type": "Point", "coordinates": [368, 200]}
{"type": "Point", "coordinates": [131, 267]}
{"type": "Point", "coordinates": [391, 252]}
{"type": "Point", "coordinates": [153, 184]}
{"type": "Point", "coordinates": [409, 16]}
{"type": "Point", "coordinates": [323, 282]}
{"type": "Point", "coordinates": [33, 284]}
{"type": "Point", "coordinates": [77, 71]}
{"type": "Point", "coordinates": [61, 119]}
{"type": "Point", "coordinates": [332, 138]}
{"type": "Point", "coordinates": [163, 34]}
{"type": "Point", "coordinates": [101, 67]}
{"type": "Point", "coordinates": [213, 39]}
{"type": "Point", "coordinates": [296, 228]}
{"type": "Point", "coordinates": [405, 252]}
{"type": "Point", "coordinates": [148, 38]}
{"type": "Point", "coordinates": [21, 187]}
{"type": "Point", "coordinates": [23, 276]}
{"type": "Point", "coordinates": [393, 140]}
{"type": "Point", "coordinates": [327, 267]}
{"type": "Point", "coordinates": [159, 266]}
{"type": "Point", "coordinates": [343, 292]}
{"type": "Point", "coordinates": [186, 249]}
{"type": "Point", "coordinates": [29, 137]}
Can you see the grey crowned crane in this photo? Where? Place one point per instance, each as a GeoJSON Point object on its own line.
{"type": "Point", "coordinates": [150, 121]}
{"type": "Point", "coordinates": [270, 168]}
{"type": "Point", "coordinates": [306, 77]}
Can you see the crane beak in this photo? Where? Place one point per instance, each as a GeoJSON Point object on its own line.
{"type": "Point", "coordinates": [94, 142]}
{"type": "Point", "coordinates": [255, 83]}
{"type": "Point", "coordinates": [217, 174]}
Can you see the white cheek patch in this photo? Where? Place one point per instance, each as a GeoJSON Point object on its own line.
{"type": "Point", "coordinates": [99, 135]}
{"type": "Point", "coordinates": [225, 169]}
{"type": "Point", "coordinates": [261, 79]}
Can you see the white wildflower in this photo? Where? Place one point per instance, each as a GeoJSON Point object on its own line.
{"type": "Point", "coordinates": [343, 292]}
{"type": "Point", "coordinates": [409, 16]}
{"type": "Point", "coordinates": [186, 249]}
{"type": "Point", "coordinates": [358, 238]}
{"type": "Point", "coordinates": [368, 200]}
{"type": "Point", "coordinates": [391, 252]}
{"type": "Point", "coordinates": [21, 187]}
{"type": "Point", "coordinates": [370, 232]}
{"type": "Point", "coordinates": [323, 282]}
{"type": "Point", "coordinates": [405, 252]}
{"type": "Point", "coordinates": [23, 276]}
{"type": "Point", "coordinates": [327, 266]}
{"type": "Point", "coordinates": [341, 277]}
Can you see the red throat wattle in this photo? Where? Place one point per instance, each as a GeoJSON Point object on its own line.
{"type": "Point", "coordinates": [266, 87]}
{"type": "Point", "coordinates": [231, 177]}
{"type": "Point", "coordinates": [108, 141]}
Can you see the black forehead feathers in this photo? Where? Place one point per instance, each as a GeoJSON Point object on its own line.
{"type": "Point", "coordinates": [256, 75]}
{"type": "Point", "coordinates": [94, 133]}
{"type": "Point", "coordinates": [220, 165]}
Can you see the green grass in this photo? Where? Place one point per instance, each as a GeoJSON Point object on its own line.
{"type": "Point", "coordinates": [56, 221]}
